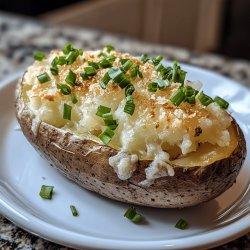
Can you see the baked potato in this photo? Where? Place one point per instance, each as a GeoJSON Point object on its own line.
{"type": "Point", "coordinates": [129, 129]}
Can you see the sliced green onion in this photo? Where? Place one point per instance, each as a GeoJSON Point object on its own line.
{"type": "Point", "coordinates": [109, 48]}
{"type": "Point", "coordinates": [71, 57]}
{"type": "Point", "coordinates": [129, 107]}
{"type": "Point", "coordinates": [123, 82]}
{"type": "Point", "coordinates": [181, 224]}
{"type": "Point", "coordinates": [190, 99]}
{"type": "Point", "coordinates": [39, 56]}
{"type": "Point", "coordinates": [54, 70]}
{"type": "Point", "coordinates": [101, 110]}
{"type": "Point", "coordinates": [111, 58]}
{"type": "Point", "coordinates": [135, 71]}
{"type": "Point", "coordinates": [152, 87]}
{"type": "Point", "coordinates": [104, 81]}
{"type": "Point", "coordinates": [177, 97]}
{"type": "Point", "coordinates": [73, 210]}
{"type": "Point", "coordinates": [106, 135]}
{"type": "Point", "coordinates": [104, 63]}
{"type": "Point", "coordinates": [90, 71]}
{"type": "Point", "coordinates": [84, 76]}
{"type": "Point", "coordinates": [44, 77]}
{"type": "Point", "coordinates": [46, 192]}
{"type": "Point", "coordinates": [74, 98]}
{"type": "Point", "coordinates": [61, 60]}
{"type": "Point", "coordinates": [161, 83]}
{"type": "Point", "coordinates": [178, 74]}
{"type": "Point", "coordinates": [129, 90]}
{"type": "Point", "coordinates": [102, 54]}
{"type": "Point", "coordinates": [65, 89]}
{"type": "Point", "coordinates": [67, 48]}
{"type": "Point", "coordinates": [156, 60]}
{"type": "Point", "coordinates": [132, 215]}
{"type": "Point", "coordinates": [189, 91]}
{"type": "Point", "coordinates": [159, 67]}
{"type": "Point", "coordinates": [71, 78]}
{"type": "Point", "coordinates": [93, 64]}
{"type": "Point", "coordinates": [144, 58]}
{"type": "Point", "coordinates": [54, 63]}
{"type": "Point", "coordinates": [126, 66]}
{"type": "Point", "coordinates": [109, 121]}
{"type": "Point", "coordinates": [123, 60]}
{"type": "Point", "coordinates": [67, 111]}
{"type": "Point", "coordinates": [80, 52]}
{"type": "Point", "coordinates": [115, 73]}
{"type": "Point", "coordinates": [221, 102]}
{"type": "Point", "coordinates": [205, 99]}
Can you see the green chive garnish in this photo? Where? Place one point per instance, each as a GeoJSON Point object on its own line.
{"type": "Point", "coordinates": [104, 63]}
{"type": "Point", "coordinates": [177, 97]}
{"type": "Point", "coordinates": [144, 58]}
{"type": "Point", "coordinates": [109, 121]}
{"type": "Point", "coordinates": [156, 60]}
{"type": "Point", "coordinates": [74, 98]}
{"type": "Point", "coordinates": [181, 224]}
{"type": "Point", "coordinates": [93, 64]}
{"type": "Point", "coordinates": [84, 76]}
{"type": "Point", "coordinates": [115, 73]}
{"type": "Point", "coordinates": [106, 135]}
{"type": "Point", "coordinates": [152, 87]}
{"type": "Point", "coordinates": [205, 99]}
{"type": "Point", "coordinates": [90, 71]}
{"type": "Point", "coordinates": [221, 102]}
{"type": "Point", "coordinates": [73, 210]}
{"type": "Point", "coordinates": [61, 60]}
{"type": "Point", "coordinates": [101, 110]}
{"type": "Point", "coordinates": [64, 88]}
{"type": "Point", "coordinates": [71, 78]}
{"type": "Point", "coordinates": [67, 48]}
{"type": "Point", "coordinates": [129, 107]}
{"type": "Point", "coordinates": [126, 66]}
{"type": "Point", "coordinates": [46, 192]}
{"type": "Point", "coordinates": [44, 77]}
{"type": "Point", "coordinates": [67, 111]}
{"type": "Point", "coordinates": [54, 70]}
{"type": "Point", "coordinates": [132, 215]}
{"type": "Point", "coordinates": [135, 71]}
{"type": "Point", "coordinates": [71, 57]}
{"type": "Point", "coordinates": [129, 90]}
{"type": "Point", "coordinates": [105, 80]}
{"type": "Point", "coordinates": [39, 56]}
{"type": "Point", "coordinates": [109, 48]}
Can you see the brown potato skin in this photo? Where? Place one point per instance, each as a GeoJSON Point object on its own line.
{"type": "Point", "coordinates": [71, 155]}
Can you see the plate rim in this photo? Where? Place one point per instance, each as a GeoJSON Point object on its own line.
{"type": "Point", "coordinates": [48, 231]}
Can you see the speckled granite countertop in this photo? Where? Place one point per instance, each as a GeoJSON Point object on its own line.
{"type": "Point", "coordinates": [19, 38]}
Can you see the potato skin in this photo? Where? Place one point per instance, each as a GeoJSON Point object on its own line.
{"type": "Point", "coordinates": [86, 163]}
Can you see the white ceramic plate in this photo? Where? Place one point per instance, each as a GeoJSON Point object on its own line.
{"type": "Point", "coordinates": [100, 223]}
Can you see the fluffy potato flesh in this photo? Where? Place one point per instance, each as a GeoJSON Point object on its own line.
{"type": "Point", "coordinates": [161, 156]}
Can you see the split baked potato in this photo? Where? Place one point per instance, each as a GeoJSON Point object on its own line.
{"type": "Point", "coordinates": [129, 129]}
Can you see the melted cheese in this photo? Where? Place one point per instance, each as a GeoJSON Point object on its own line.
{"type": "Point", "coordinates": [156, 127]}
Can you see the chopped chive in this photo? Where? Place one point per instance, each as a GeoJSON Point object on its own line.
{"type": "Point", "coordinates": [104, 81]}
{"type": "Point", "coordinates": [129, 107]}
{"type": "Point", "coordinates": [109, 48]}
{"type": "Point", "coordinates": [64, 88]}
{"type": "Point", "coordinates": [159, 67]}
{"type": "Point", "coordinates": [111, 58]}
{"type": "Point", "coordinates": [152, 87]}
{"type": "Point", "coordinates": [115, 73]}
{"type": "Point", "coordinates": [93, 64]}
{"type": "Point", "coordinates": [109, 121]}
{"type": "Point", "coordinates": [67, 48]}
{"type": "Point", "coordinates": [71, 57]}
{"type": "Point", "coordinates": [54, 62]}
{"type": "Point", "coordinates": [181, 224]}
{"type": "Point", "coordinates": [126, 66]}
{"type": "Point", "coordinates": [61, 60]}
{"type": "Point", "coordinates": [104, 63]}
{"type": "Point", "coordinates": [129, 90]}
{"type": "Point", "coordinates": [44, 77]}
{"type": "Point", "coordinates": [190, 99]}
{"type": "Point", "coordinates": [71, 78]}
{"type": "Point", "coordinates": [80, 52]}
{"type": "Point", "coordinates": [221, 102]}
{"type": "Point", "coordinates": [67, 111]}
{"type": "Point", "coordinates": [90, 71]}
{"type": "Point", "coordinates": [102, 54]}
{"type": "Point", "coordinates": [101, 110]}
{"type": "Point", "coordinates": [132, 215]}
{"type": "Point", "coordinates": [156, 60]}
{"type": "Point", "coordinates": [177, 97]}
{"type": "Point", "coordinates": [161, 83]}
{"type": "Point", "coordinates": [106, 135]}
{"type": "Point", "coordinates": [84, 76]}
{"type": "Point", "coordinates": [205, 99]}
{"type": "Point", "coordinates": [189, 91]}
{"type": "Point", "coordinates": [73, 210]}
{"type": "Point", "coordinates": [54, 70]}
{"type": "Point", "coordinates": [46, 192]}
{"type": "Point", "coordinates": [123, 82]}
{"type": "Point", "coordinates": [144, 58]}
{"type": "Point", "coordinates": [39, 56]}
{"type": "Point", "coordinates": [74, 98]}
{"type": "Point", "coordinates": [135, 71]}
